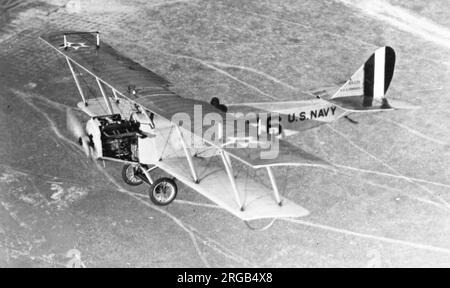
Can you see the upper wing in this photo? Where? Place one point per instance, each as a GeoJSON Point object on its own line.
{"type": "Point", "coordinates": [106, 63]}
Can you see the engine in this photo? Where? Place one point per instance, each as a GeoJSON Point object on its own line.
{"type": "Point", "coordinates": [118, 137]}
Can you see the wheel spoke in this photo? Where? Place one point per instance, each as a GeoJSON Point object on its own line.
{"type": "Point", "coordinates": [163, 192]}
{"type": "Point", "coordinates": [131, 174]}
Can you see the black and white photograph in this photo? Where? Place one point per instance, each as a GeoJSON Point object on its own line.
{"type": "Point", "coordinates": [224, 134]}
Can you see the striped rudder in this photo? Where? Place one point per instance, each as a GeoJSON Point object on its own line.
{"type": "Point", "coordinates": [371, 81]}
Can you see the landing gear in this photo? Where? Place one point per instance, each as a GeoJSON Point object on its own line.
{"type": "Point", "coordinates": [163, 191]}
{"type": "Point", "coordinates": [130, 175]}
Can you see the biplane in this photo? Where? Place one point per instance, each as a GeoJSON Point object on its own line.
{"type": "Point", "coordinates": [139, 121]}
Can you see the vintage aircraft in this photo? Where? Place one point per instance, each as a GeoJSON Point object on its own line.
{"type": "Point", "coordinates": [140, 122]}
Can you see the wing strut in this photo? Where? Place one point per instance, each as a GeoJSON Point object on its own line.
{"type": "Point", "coordinates": [229, 169]}
{"type": "Point", "coordinates": [188, 155]}
{"type": "Point", "coordinates": [116, 98]}
{"type": "Point", "coordinates": [77, 82]}
{"type": "Point", "coordinates": [274, 186]}
{"type": "Point", "coordinates": [108, 104]}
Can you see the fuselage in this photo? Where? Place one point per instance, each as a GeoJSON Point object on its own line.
{"type": "Point", "coordinates": [294, 116]}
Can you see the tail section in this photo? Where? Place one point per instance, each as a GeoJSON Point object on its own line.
{"type": "Point", "coordinates": [367, 87]}
{"type": "Point", "coordinates": [365, 91]}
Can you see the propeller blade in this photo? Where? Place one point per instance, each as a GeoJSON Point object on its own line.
{"type": "Point", "coordinates": [85, 144]}
{"type": "Point", "coordinates": [74, 125]}
{"type": "Point", "coordinates": [76, 128]}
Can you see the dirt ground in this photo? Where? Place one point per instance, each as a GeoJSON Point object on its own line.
{"type": "Point", "coordinates": [386, 206]}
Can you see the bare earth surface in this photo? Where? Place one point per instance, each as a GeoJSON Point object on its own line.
{"type": "Point", "coordinates": [388, 204]}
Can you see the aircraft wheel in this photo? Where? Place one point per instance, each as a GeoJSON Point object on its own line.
{"type": "Point", "coordinates": [129, 175]}
{"type": "Point", "coordinates": [163, 191]}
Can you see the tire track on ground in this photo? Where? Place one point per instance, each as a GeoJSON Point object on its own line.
{"type": "Point", "coordinates": [433, 194]}
{"type": "Point", "coordinates": [371, 237]}
{"type": "Point", "coordinates": [404, 19]}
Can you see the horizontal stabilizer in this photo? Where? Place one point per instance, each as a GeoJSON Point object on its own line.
{"type": "Point", "coordinates": [400, 105]}
{"type": "Point", "coordinates": [355, 104]}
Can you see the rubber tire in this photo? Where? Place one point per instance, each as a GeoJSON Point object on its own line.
{"type": "Point", "coordinates": [126, 179]}
{"type": "Point", "coordinates": [155, 184]}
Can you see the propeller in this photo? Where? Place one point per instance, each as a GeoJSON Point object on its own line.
{"type": "Point", "coordinates": [75, 128]}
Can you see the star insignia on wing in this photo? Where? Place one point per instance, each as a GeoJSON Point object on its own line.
{"type": "Point", "coordinates": [75, 46]}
